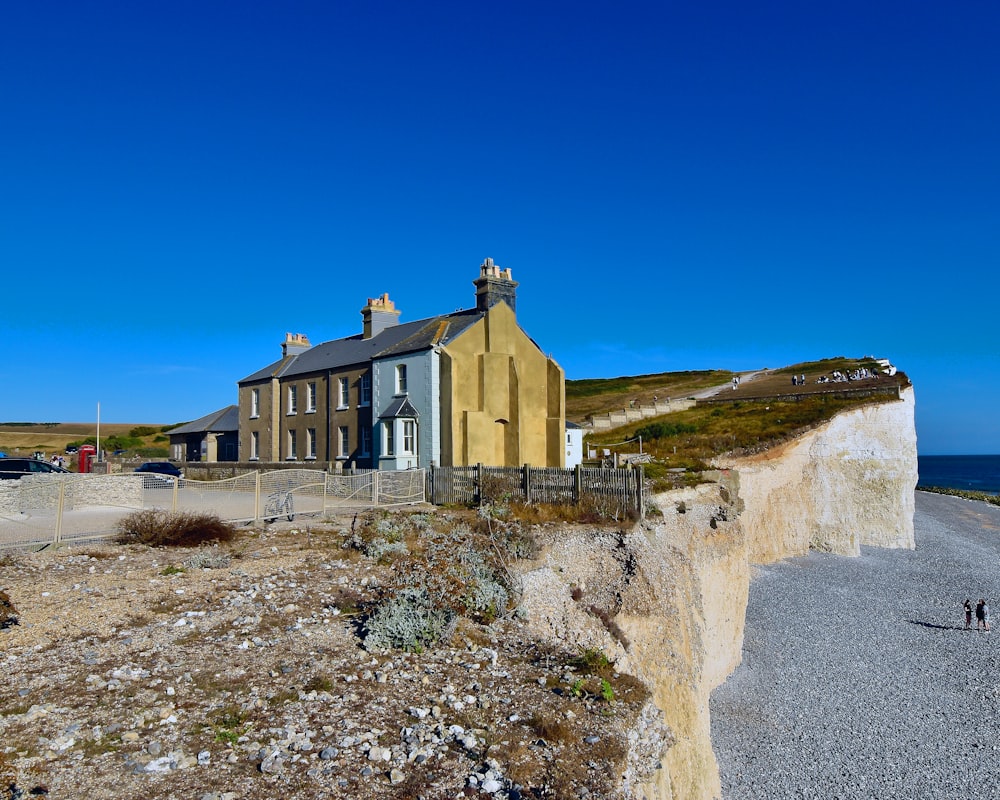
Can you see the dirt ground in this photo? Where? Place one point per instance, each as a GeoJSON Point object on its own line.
{"type": "Point", "coordinates": [239, 671]}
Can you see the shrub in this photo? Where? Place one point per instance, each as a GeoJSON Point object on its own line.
{"type": "Point", "coordinates": [172, 529]}
{"type": "Point", "coordinates": [8, 613]}
{"type": "Point", "coordinates": [408, 621]}
{"type": "Point", "coordinates": [208, 559]}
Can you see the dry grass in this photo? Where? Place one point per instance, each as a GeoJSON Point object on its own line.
{"type": "Point", "coordinates": [158, 528]}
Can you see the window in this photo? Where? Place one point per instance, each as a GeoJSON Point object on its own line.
{"type": "Point", "coordinates": [343, 442]}
{"type": "Point", "coordinates": [366, 441]}
{"type": "Point", "coordinates": [345, 393]}
{"type": "Point", "coordinates": [254, 403]}
{"type": "Point", "coordinates": [311, 443]}
{"type": "Point", "coordinates": [409, 437]}
{"type": "Point", "coordinates": [311, 397]}
{"type": "Point", "coordinates": [293, 399]}
{"type": "Point", "coordinates": [401, 379]}
{"type": "Point", "coordinates": [365, 390]}
{"type": "Point", "coordinates": [390, 440]}
{"type": "Point", "coordinates": [292, 451]}
{"type": "Point", "coordinates": [254, 444]}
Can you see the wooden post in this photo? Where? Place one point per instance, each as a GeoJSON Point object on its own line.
{"type": "Point", "coordinates": [526, 482]}
{"type": "Point", "coordinates": [577, 483]}
{"type": "Point", "coordinates": [478, 496]}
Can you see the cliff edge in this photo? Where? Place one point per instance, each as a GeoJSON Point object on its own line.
{"type": "Point", "coordinates": [668, 597]}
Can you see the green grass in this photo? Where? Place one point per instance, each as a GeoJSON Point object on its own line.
{"type": "Point", "coordinates": [595, 395]}
{"type": "Point", "coordinates": [761, 414]}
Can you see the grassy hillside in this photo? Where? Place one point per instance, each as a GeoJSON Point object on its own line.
{"type": "Point", "coordinates": [761, 413]}
{"type": "Point", "coordinates": [25, 438]}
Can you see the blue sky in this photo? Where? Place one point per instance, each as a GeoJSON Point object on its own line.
{"type": "Point", "coordinates": [674, 185]}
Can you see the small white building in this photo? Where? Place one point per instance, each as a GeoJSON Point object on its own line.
{"type": "Point", "coordinates": [574, 445]}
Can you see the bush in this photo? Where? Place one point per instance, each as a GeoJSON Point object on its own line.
{"type": "Point", "coordinates": [172, 529]}
{"type": "Point", "coordinates": [8, 613]}
{"type": "Point", "coordinates": [408, 621]}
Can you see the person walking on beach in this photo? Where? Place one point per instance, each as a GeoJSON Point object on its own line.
{"type": "Point", "coordinates": [967, 605]}
{"type": "Point", "coordinates": [982, 615]}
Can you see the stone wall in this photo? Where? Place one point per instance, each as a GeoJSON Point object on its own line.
{"type": "Point", "coordinates": [676, 585]}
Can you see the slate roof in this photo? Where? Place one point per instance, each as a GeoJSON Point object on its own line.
{"type": "Point", "coordinates": [222, 421]}
{"type": "Point", "coordinates": [406, 337]}
{"type": "Point", "coordinates": [400, 407]}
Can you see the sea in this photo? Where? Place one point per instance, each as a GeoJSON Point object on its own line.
{"type": "Point", "coordinates": [972, 473]}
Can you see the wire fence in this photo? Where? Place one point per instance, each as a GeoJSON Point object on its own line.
{"type": "Point", "coordinates": [40, 510]}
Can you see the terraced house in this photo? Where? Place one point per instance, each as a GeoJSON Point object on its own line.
{"type": "Point", "coordinates": [456, 389]}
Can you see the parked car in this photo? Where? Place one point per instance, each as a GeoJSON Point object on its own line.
{"type": "Point", "coordinates": [14, 468]}
{"type": "Point", "coordinates": [162, 472]}
{"type": "Point", "coordinates": [160, 468]}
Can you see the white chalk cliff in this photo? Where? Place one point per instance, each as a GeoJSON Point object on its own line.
{"type": "Point", "coordinates": [676, 585]}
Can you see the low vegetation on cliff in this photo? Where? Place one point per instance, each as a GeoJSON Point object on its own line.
{"type": "Point", "coordinates": [774, 406]}
{"type": "Point", "coordinates": [375, 656]}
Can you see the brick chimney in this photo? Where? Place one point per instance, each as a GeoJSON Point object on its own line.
{"type": "Point", "coordinates": [494, 284]}
{"type": "Point", "coordinates": [379, 314]}
{"type": "Point", "coordinates": [294, 344]}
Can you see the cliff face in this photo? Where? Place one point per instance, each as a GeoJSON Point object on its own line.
{"type": "Point", "coordinates": [676, 586]}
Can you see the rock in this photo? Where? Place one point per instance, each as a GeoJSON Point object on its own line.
{"type": "Point", "coordinates": [396, 776]}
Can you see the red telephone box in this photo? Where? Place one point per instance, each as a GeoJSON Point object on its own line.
{"type": "Point", "coordinates": [85, 458]}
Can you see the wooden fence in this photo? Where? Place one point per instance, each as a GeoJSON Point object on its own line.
{"type": "Point", "coordinates": [618, 490]}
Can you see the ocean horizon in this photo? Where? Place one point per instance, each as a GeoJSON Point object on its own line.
{"type": "Point", "coordinates": [970, 473]}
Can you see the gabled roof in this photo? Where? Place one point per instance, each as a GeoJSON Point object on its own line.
{"type": "Point", "coordinates": [222, 421]}
{"type": "Point", "coordinates": [400, 407]}
{"type": "Point", "coordinates": [407, 337]}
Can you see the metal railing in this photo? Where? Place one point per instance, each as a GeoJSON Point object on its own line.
{"type": "Point", "coordinates": [52, 509]}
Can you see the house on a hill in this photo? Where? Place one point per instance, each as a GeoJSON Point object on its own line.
{"type": "Point", "coordinates": [455, 389]}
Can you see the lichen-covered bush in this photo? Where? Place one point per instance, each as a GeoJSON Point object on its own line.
{"type": "Point", "coordinates": [409, 620]}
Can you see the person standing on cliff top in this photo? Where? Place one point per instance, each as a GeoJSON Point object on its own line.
{"type": "Point", "coordinates": [967, 605]}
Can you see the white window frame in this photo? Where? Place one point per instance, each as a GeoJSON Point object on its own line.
{"type": "Point", "coordinates": [293, 399]}
{"type": "Point", "coordinates": [311, 397]}
{"type": "Point", "coordinates": [343, 442]}
{"type": "Point", "coordinates": [310, 444]}
{"type": "Point", "coordinates": [292, 447]}
{"type": "Point", "coordinates": [409, 437]}
{"type": "Point", "coordinates": [254, 403]}
{"type": "Point", "coordinates": [365, 445]}
{"type": "Point", "coordinates": [343, 393]}
{"type": "Point", "coordinates": [389, 437]}
{"type": "Point", "coordinates": [365, 389]}
{"type": "Point", "coordinates": [401, 379]}
{"type": "Point", "coordinates": [255, 445]}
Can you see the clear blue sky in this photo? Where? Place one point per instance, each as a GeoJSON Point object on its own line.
{"type": "Point", "coordinates": [675, 185]}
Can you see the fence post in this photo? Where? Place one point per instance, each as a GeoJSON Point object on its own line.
{"type": "Point", "coordinates": [375, 480]}
{"type": "Point", "coordinates": [430, 483]}
{"type": "Point", "coordinates": [256, 496]}
{"type": "Point", "coordinates": [639, 499]}
{"type": "Point", "coordinates": [326, 483]}
{"type": "Point", "coordinates": [577, 483]}
{"type": "Point", "coordinates": [59, 513]}
{"type": "Point", "coordinates": [173, 500]}
{"type": "Point", "coordinates": [526, 482]}
{"type": "Point", "coordinates": [478, 496]}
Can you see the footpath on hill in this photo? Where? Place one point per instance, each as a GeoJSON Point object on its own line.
{"type": "Point", "coordinates": [858, 678]}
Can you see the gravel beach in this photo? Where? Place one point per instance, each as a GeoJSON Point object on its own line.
{"type": "Point", "coordinates": [858, 679]}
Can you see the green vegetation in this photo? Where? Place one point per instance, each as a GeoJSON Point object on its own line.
{"type": "Point", "coordinates": [992, 499]}
{"type": "Point", "coordinates": [761, 414]}
{"type": "Point", "coordinates": [595, 395]}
